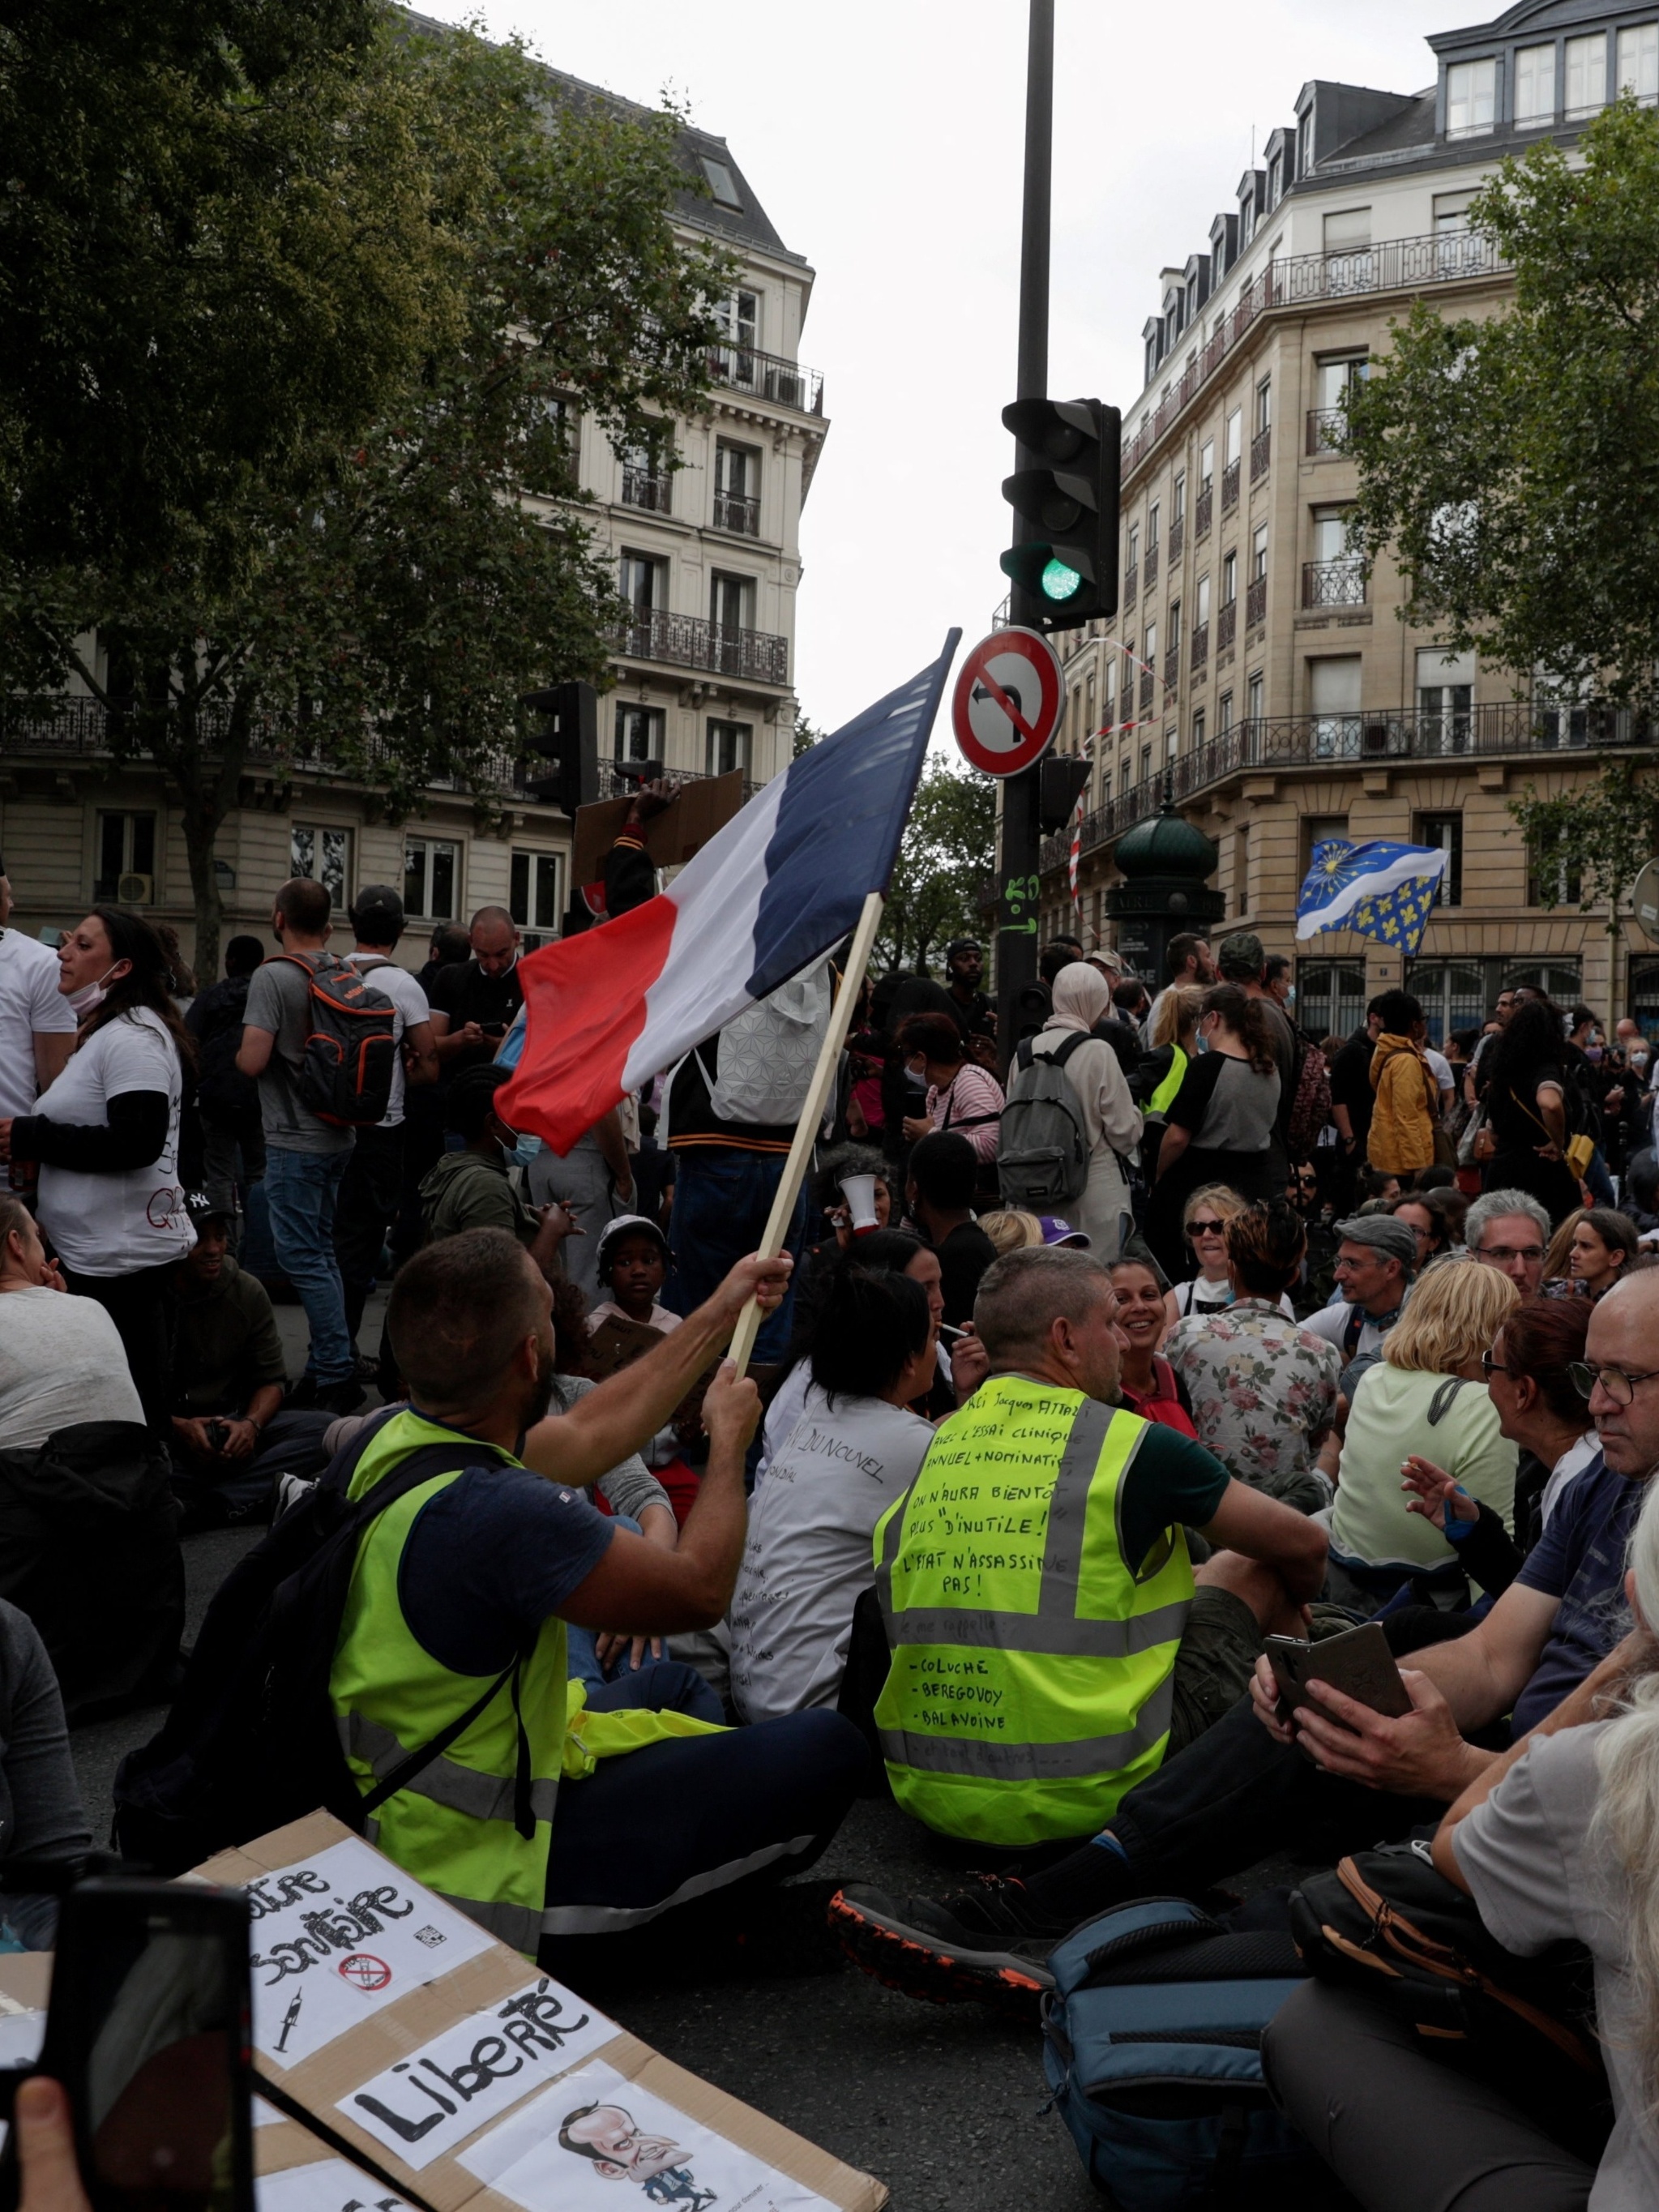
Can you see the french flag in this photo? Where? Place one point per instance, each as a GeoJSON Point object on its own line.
{"type": "Point", "coordinates": [780, 885]}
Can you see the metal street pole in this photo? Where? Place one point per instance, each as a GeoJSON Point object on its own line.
{"type": "Point", "coordinates": [1016, 877]}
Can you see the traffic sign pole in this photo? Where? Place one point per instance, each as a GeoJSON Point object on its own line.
{"type": "Point", "coordinates": [1020, 846]}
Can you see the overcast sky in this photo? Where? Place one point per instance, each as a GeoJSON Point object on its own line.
{"type": "Point", "coordinates": [883, 138]}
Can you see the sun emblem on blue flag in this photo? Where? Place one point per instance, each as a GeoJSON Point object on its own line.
{"type": "Point", "coordinates": [1383, 890]}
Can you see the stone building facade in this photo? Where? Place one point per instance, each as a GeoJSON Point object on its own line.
{"type": "Point", "coordinates": [1253, 673]}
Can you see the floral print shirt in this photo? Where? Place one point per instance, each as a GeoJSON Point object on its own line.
{"type": "Point", "coordinates": [1263, 1392]}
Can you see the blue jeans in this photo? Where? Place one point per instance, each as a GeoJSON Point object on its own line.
{"type": "Point", "coordinates": [722, 1197]}
{"type": "Point", "coordinates": [300, 1189]}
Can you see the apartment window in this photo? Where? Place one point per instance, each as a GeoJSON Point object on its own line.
{"type": "Point", "coordinates": [126, 854]}
{"type": "Point", "coordinates": [646, 478]}
{"type": "Point", "coordinates": [1451, 992]}
{"type": "Point", "coordinates": [1175, 625]}
{"type": "Point", "coordinates": [1180, 501]}
{"type": "Point", "coordinates": [729, 747]}
{"type": "Point", "coordinates": [731, 601]}
{"type": "Point", "coordinates": [1145, 763]}
{"type": "Point", "coordinates": [536, 898]}
{"type": "Point", "coordinates": [739, 316]}
{"type": "Point", "coordinates": [1105, 794]}
{"type": "Point", "coordinates": [1223, 713]}
{"type": "Point", "coordinates": [1330, 996]}
{"type": "Point", "coordinates": [1229, 579]}
{"type": "Point", "coordinates": [1201, 599]}
{"type": "Point", "coordinates": [1445, 833]}
{"type": "Point", "coordinates": [644, 582]}
{"type": "Point", "coordinates": [1150, 653]}
{"type": "Point", "coordinates": [1638, 61]}
{"type": "Point", "coordinates": [1348, 229]}
{"type": "Point", "coordinates": [1253, 692]}
{"type": "Point", "coordinates": [1134, 560]}
{"type": "Point", "coordinates": [1330, 534]}
{"type": "Point", "coordinates": [1471, 97]}
{"type": "Point", "coordinates": [1259, 553]}
{"type": "Point", "coordinates": [323, 852]}
{"type": "Point", "coordinates": [1333, 682]}
{"type": "Point", "coordinates": [1334, 380]}
{"type": "Point", "coordinates": [737, 488]}
{"type": "Point", "coordinates": [639, 733]}
{"type": "Point", "coordinates": [1451, 213]}
{"type": "Point", "coordinates": [1445, 695]}
{"type": "Point", "coordinates": [1264, 406]}
{"type": "Point", "coordinates": [1534, 83]}
{"type": "Point", "coordinates": [721, 183]}
{"type": "Point", "coordinates": [1544, 868]}
{"type": "Point", "coordinates": [1198, 728]}
{"type": "Point", "coordinates": [432, 879]}
{"type": "Point", "coordinates": [1206, 462]}
{"type": "Point", "coordinates": [1234, 445]}
{"type": "Point", "coordinates": [1587, 74]}
{"type": "Point", "coordinates": [1151, 527]}
{"type": "Point", "coordinates": [1171, 747]}
{"type": "Point", "coordinates": [551, 460]}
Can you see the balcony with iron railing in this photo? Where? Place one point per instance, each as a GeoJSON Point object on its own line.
{"type": "Point", "coordinates": [1261, 452]}
{"type": "Point", "coordinates": [1256, 602]}
{"type": "Point", "coordinates": [1148, 684]}
{"type": "Point", "coordinates": [1229, 486]}
{"type": "Point", "coordinates": [737, 512]}
{"type": "Point", "coordinates": [1131, 587]}
{"type": "Point", "coordinates": [1171, 668]}
{"type": "Point", "coordinates": [1203, 512]}
{"type": "Point", "coordinates": [1226, 624]}
{"type": "Point", "coordinates": [1198, 652]}
{"type": "Point", "coordinates": [1513, 729]}
{"type": "Point", "coordinates": [688, 641]}
{"type": "Point", "coordinates": [1301, 280]}
{"type": "Point", "coordinates": [1151, 564]}
{"type": "Point", "coordinates": [767, 376]}
{"type": "Point", "coordinates": [1332, 584]}
{"type": "Point", "coordinates": [1177, 538]}
{"type": "Point", "coordinates": [1325, 426]}
{"type": "Point", "coordinates": [643, 488]}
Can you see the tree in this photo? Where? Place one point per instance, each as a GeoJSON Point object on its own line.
{"type": "Point", "coordinates": [1598, 837]}
{"type": "Point", "coordinates": [370, 589]}
{"type": "Point", "coordinates": [1512, 466]}
{"type": "Point", "coordinates": [948, 850]}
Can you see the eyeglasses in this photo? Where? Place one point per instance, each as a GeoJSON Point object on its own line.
{"type": "Point", "coordinates": [1197, 1228]}
{"type": "Point", "coordinates": [1489, 1367]}
{"type": "Point", "coordinates": [1499, 1255]}
{"type": "Point", "coordinates": [1619, 1386]}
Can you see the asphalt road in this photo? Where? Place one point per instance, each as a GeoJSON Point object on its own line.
{"type": "Point", "coordinates": [945, 2104]}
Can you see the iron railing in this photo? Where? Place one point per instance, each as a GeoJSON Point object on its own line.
{"type": "Point", "coordinates": [1256, 602]}
{"type": "Point", "coordinates": [735, 511]}
{"type": "Point", "coordinates": [1226, 624]}
{"type": "Point", "coordinates": [1203, 511]}
{"type": "Point", "coordinates": [1172, 667]}
{"type": "Point", "coordinates": [1151, 565]}
{"type": "Point", "coordinates": [1177, 538]}
{"type": "Point", "coordinates": [1261, 452]}
{"type": "Point", "coordinates": [1400, 264]}
{"type": "Point", "coordinates": [768, 376]}
{"type": "Point", "coordinates": [1324, 425]}
{"type": "Point", "coordinates": [614, 785]}
{"type": "Point", "coordinates": [688, 641]}
{"type": "Point", "coordinates": [1342, 741]}
{"type": "Point", "coordinates": [1201, 645]}
{"type": "Point", "coordinates": [1148, 683]}
{"type": "Point", "coordinates": [1229, 486]}
{"type": "Point", "coordinates": [1332, 584]}
{"type": "Point", "coordinates": [1131, 586]}
{"type": "Point", "coordinates": [653, 493]}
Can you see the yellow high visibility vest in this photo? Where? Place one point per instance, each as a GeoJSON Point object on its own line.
{"type": "Point", "coordinates": [1032, 1675]}
{"type": "Point", "coordinates": [1164, 1096]}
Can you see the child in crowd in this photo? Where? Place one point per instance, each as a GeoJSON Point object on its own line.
{"type": "Point", "coordinates": [632, 1268]}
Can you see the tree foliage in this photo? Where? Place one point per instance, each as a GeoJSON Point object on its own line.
{"type": "Point", "coordinates": [948, 852]}
{"type": "Point", "coordinates": [376, 277]}
{"type": "Point", "coordinates": [1511, 465]}
{"type": "Point", "coordinates": [1598, 837]}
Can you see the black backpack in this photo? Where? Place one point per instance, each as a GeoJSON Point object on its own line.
{"type": "Point", "coordinates": [1042, 1153]}
{"type": "Point", "coordinates": [222, 1092]}
{"type": "Point", "coordinates": [251, 1742]}
{"type": "Point", "coordinates": [350, 1051]}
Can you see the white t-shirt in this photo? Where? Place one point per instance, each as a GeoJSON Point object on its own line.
{"type": "Point", "coordinates": [115, 1224]}
{"type": "Point", "coordinates": [1199, 1297]}
{"type": "Point", "coordinates": [807, 1557]}
{"type": "Point", "coordinates": [31, 1005]}
{"type": "Point", "coordinates": [410, 1009]}
{"type": "Point", "coordinates": [1442, 1066]}
{"type": "Point", "coordinates": [61, 1362]}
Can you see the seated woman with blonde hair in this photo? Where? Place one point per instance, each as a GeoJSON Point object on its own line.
{"type": "Point", "coordinates": [1426, 1397]}
{"type": "Point", "coordinates": [1011, 1229]}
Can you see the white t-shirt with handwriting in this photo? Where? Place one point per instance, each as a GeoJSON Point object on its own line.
{"type": "Point", "coordinates": [114, 1223]}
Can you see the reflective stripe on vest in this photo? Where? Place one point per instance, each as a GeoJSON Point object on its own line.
{"type": "Point", "coordinates": [1033, 1673]}
{"type": "Point", "coordinates": [452, 1825]}
{"type": "Point", "coordinates": [1164, 1096]}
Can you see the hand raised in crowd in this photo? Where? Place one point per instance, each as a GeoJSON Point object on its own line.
{"type": "Point", "coordinates": [766, 1281]}
{"type": "Point", "coordinates": [731, 1406]}
{"type": "Point", "coordinates": [970, 1363]}
{"type": "Point", "coordinates": [1436, 1493]}
{"type": "Point", "coordinates": [652, 799]}
{"type": "Point", "coordinates": [1421, 1754]}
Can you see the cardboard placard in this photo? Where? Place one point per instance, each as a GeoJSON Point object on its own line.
{"type": "Point", "coordinates": [682, 829]}
{"type": "Point", "coordinates": [295, 2170]}
{"type": "Point", "coordinates": [617, 1342]}
{"type": "Point", "coordinates": [25, 1986]}
{"type": "Point", "coordinates": [457, 2074]}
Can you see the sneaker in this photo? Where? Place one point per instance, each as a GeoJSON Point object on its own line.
{"type": "Point", "coordinates": [987, 1945]}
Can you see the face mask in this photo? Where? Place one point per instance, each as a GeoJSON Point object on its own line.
{"type": "Point", "coordinates": [91, 996]}
{"type": "Point", "coordinates": [1592, 1051]}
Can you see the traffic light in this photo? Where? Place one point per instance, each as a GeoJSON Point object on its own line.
{"type": "Point", "coordinates": [569, 739]}
{"type": "Point", "coordinates": [1060, 776]}
{"type": "Point", "coordinates": [1068, 566]}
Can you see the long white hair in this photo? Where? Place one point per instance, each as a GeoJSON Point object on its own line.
{"type": "Point", "coordinates": [1627, 1803]}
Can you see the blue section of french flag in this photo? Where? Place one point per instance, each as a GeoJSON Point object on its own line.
{"type": "Point", "coordinates": [776, 887]}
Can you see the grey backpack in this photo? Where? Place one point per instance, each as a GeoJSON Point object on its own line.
{"type": "Point", "coordinates": [1043, 1150]}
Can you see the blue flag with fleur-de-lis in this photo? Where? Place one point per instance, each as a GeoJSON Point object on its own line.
{"type": "Point", "coordinates": [1383, 890]}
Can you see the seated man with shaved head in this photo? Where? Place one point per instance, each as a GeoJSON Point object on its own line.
{"type": "Point", "coordinates": [1558, 1636]}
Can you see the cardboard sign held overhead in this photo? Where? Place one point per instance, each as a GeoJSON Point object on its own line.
{"type": "Point", "coordinates": [449, 2064]}
{"type": "Point", "coordinates": [682, 829]}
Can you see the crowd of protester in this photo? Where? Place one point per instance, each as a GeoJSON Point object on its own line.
{"type": "Point", "coordinates": [1221, 1331]}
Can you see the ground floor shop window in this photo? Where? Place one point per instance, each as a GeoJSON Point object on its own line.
{"type": "Point", "coordinates": [1330, 996]}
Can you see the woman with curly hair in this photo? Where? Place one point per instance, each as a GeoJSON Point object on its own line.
{"type": "Point", "coordinates": [1523, 1076]}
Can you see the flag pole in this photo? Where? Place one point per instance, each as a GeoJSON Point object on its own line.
{"type": "Point", "coordinates": [812, 1116]}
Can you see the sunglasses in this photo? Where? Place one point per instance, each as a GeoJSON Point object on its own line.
{"type": "Point", "coordinates": [1196, 1228]}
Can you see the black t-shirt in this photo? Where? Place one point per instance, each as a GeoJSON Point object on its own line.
{"type": "Point", "coordinates": [465, 993]}
{"type": "Point", "coordinates": [964, 1256]}
{"type": "Point", "coordinates": [1351, 1083]}
{"type": "Point", "coordinates": [1512, 1109]}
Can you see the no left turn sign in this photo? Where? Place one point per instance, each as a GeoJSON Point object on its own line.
{"type": "Point", "coordinates": [1007, 702]}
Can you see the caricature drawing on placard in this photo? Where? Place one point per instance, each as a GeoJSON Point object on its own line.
{"type": "Point", "coordinates": [621, 2151]}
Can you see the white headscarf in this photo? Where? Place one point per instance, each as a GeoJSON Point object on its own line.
{"type": "Point", "coordinates": [1081, 995]}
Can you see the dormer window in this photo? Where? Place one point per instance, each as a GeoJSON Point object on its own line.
{"type": "Point", "coordinates": [1471, 97]}
{"type": "Point", "coordinates": [1587, 75]}
{"type": "Point", "coordinates": [1639, 63]}
{"type": "Point", "coordinates": [1534, 87]}
{"type": "Point", "coordinates": [1275, 181]}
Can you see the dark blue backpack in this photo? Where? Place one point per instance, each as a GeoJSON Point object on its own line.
{"type": "Point", "coordinates": [1152, 2048]}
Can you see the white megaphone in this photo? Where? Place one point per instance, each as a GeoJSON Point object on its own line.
{"type": "Point", "coordinates": [860, 1192]}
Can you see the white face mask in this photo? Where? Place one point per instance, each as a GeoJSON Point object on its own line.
{"type": "Point", "coordinates": [91, 996]}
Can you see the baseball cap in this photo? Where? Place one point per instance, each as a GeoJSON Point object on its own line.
{"type": "Point", "coordinates": [200, 1209]}
{"type": "Point", "coordinates": [630, 1225]}
{"type": "Point", "coordinates": [1056, 1231]}
{"type": "Point", "coordinates": [1393, 1239]}
{"type": "Point", "coordinates": [1241, 956]}
{"type": "Point", "coordinates": [378, 898]}
{"type": "Point", "coordinates": [963, 944]}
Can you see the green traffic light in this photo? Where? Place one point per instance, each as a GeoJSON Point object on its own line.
{"type": "Point", "coordinates": [1059, 583]}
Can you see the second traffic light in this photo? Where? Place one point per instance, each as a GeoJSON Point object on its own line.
{"type": "Point", "coordinates": [568, 738]}
{"type": "Point", "coordinates": [1068, 565]}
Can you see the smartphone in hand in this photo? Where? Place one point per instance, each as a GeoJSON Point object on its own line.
{"type": "Point", "coordinates": [1358, 1663]}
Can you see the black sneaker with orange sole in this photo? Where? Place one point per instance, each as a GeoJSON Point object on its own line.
{"type": "Point", "coordinates": [987, 1945]}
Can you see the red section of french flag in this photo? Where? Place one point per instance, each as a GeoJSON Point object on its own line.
{"type": "Point", "coordinates": [591, 999]}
